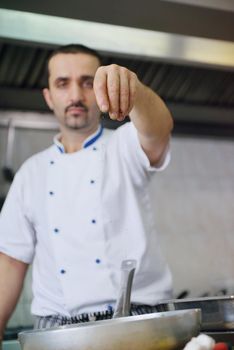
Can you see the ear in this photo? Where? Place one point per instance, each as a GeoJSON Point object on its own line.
{"type": "Point", "coordinates": [47, 97]}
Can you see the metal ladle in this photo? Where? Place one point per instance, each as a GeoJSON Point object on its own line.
{"type": "Point", "coordinates": [123, 303]}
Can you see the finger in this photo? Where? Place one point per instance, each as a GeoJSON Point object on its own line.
{"type": "Point", "coordinates": [100, 89]}
{"type": "Point", "coordinates": [113, 89]}
{"type": "Point", "coordinates": [132, 90]}
{"type": "Point", "coordinates": [124, 92]}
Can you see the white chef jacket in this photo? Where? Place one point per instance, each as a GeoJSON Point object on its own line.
{"type": "Point", "coordinates": [76, 216]}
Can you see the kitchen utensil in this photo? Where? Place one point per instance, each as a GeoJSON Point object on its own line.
{"type": "Point", "coordinates": [123, 303]}
{"type": "Point", "coordinates": [157, 331]}
{"type": "Point", "coordinates": [217, 312]}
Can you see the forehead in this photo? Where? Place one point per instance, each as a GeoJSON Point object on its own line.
{"type": "Point", "coordinates": [67, 64]}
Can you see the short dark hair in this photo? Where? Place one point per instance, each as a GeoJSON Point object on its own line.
{"type": "Point", "coordinates": [74, 49]}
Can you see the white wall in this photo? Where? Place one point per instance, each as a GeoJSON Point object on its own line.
{"type": "Point", "coordinates": [194, 209]}
{"type": "Point", "coordinates": [194, 206]}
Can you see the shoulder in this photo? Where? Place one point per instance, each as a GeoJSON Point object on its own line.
{"type": "Point", "coordinates": [120, 139]}
{"type": "Point", "coordinates": [127, 129]}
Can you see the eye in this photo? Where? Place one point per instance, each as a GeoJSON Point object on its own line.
{"type": "Point", "coordinates": [61, 83]}
{"type": "Point", "coordinates": [88, 84]}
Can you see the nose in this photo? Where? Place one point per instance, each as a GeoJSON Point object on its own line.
{"type": "Point", "coordinates": [76, 93]}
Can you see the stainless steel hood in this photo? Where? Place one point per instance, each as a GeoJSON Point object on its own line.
{"type": "Point", "coordinates": [227, 5]}
{"type": "Point", "coordinates": [44, 29]}
{"type": "Point", "coordinates": [194, 75]}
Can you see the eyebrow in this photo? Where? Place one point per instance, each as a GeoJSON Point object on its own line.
{"type": "Point", "coordinates": [86, 77]}
{"type": "Point", "coordinates": [61, 79]}
{"type": "Point", "coordinates": [83, 77]}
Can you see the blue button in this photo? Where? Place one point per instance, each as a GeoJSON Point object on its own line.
{"type": "Point", "coordinates": [93, 221]}
{"type": "Point", "coordinates": [62, 271]}
{"type": "Point", "coordinates": [92, 181]}
{"type": "Point", "coordinates": [94, 148]}
{"type": "Point", "coordinates": [56, 230]}
{"type": "Point", "coordinates": [110, 308]}
{"type": "Point", "coordinates": [51, 193]}
{"type": "Point", "coordinates": [98, 261]}
{"type": "Point", "coordinates": [51, 162]}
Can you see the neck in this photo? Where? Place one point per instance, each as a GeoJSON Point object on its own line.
{"type": "Point", "coordinates": [73, 140]}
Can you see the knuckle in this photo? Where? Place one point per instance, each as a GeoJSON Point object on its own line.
{"type": "Point", "coordinates": [113, 66]}
{"type": "Point", "coordinates": [124, 70]}
{"type": "Point", "coordinates": [133, 75]}
{"type": "Point", "coordinates": [100, 69]}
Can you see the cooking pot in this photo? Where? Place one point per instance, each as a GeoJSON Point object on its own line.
{"type": "Point", "coordinates": [157, 331]}
{"type": "Point", "coordinates": [217, 312]}
{"type": "Point", "coordinates": [164, 331]}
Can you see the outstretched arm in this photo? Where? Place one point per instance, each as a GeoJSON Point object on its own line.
{"type": "Point", "coordinates": [120, 93]}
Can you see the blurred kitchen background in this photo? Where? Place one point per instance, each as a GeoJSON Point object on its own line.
{"type": "Point", "coordinates": [184, 50]}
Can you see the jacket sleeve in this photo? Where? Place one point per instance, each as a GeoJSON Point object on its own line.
{"type": "Point", "coordinates": [129, 146]}
{"type": "Point", "coordinates": [17, 236]}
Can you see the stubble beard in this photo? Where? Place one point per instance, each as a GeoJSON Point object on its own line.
{"type": "Point", "coordinates": [75, 123]}
{"type": "Point", "coordinates": [79, 122]}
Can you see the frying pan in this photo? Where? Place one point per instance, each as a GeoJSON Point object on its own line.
{"type": "Point", "coordinates": [157, 331]}
{"type": "Point", "coordinates": [217, 312]}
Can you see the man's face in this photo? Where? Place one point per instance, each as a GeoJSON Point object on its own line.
{"type": "Point", "coordinates": [70, 94]}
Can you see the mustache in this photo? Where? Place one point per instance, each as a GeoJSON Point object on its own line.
{"type": "Point", "coordinates": [77, 104]}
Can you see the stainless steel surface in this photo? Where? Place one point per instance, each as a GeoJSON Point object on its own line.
{"type": "Point", "coordinates": [162, 16]}
{"type": "Point", "coordinates": [225, 336]}
{"type": "Point", "coordinates": [217, 312]}
{"type": "Point", "coordinates": [10, 345]}
{"type": "Point", "coordinates": [170, 67]}
{"type": "Point", "coordinates": [157, 331]}
{"type": "Point", "coordinates": [29, 120]}
{"type": "Point", "coordinates": [37, 28]}
{"type": "Point", "coordinates": [225, 5]}
{"type": "Point", "coordinates": [123, 303]}
{"type": "Point", "coordinates": [8, 171]}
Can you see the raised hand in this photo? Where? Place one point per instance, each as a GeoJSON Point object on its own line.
{"type": "Point", "coordinates": [115, 89]}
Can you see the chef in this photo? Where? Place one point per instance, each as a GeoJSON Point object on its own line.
{"type": "Point", "coordinates": [79, 208]}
